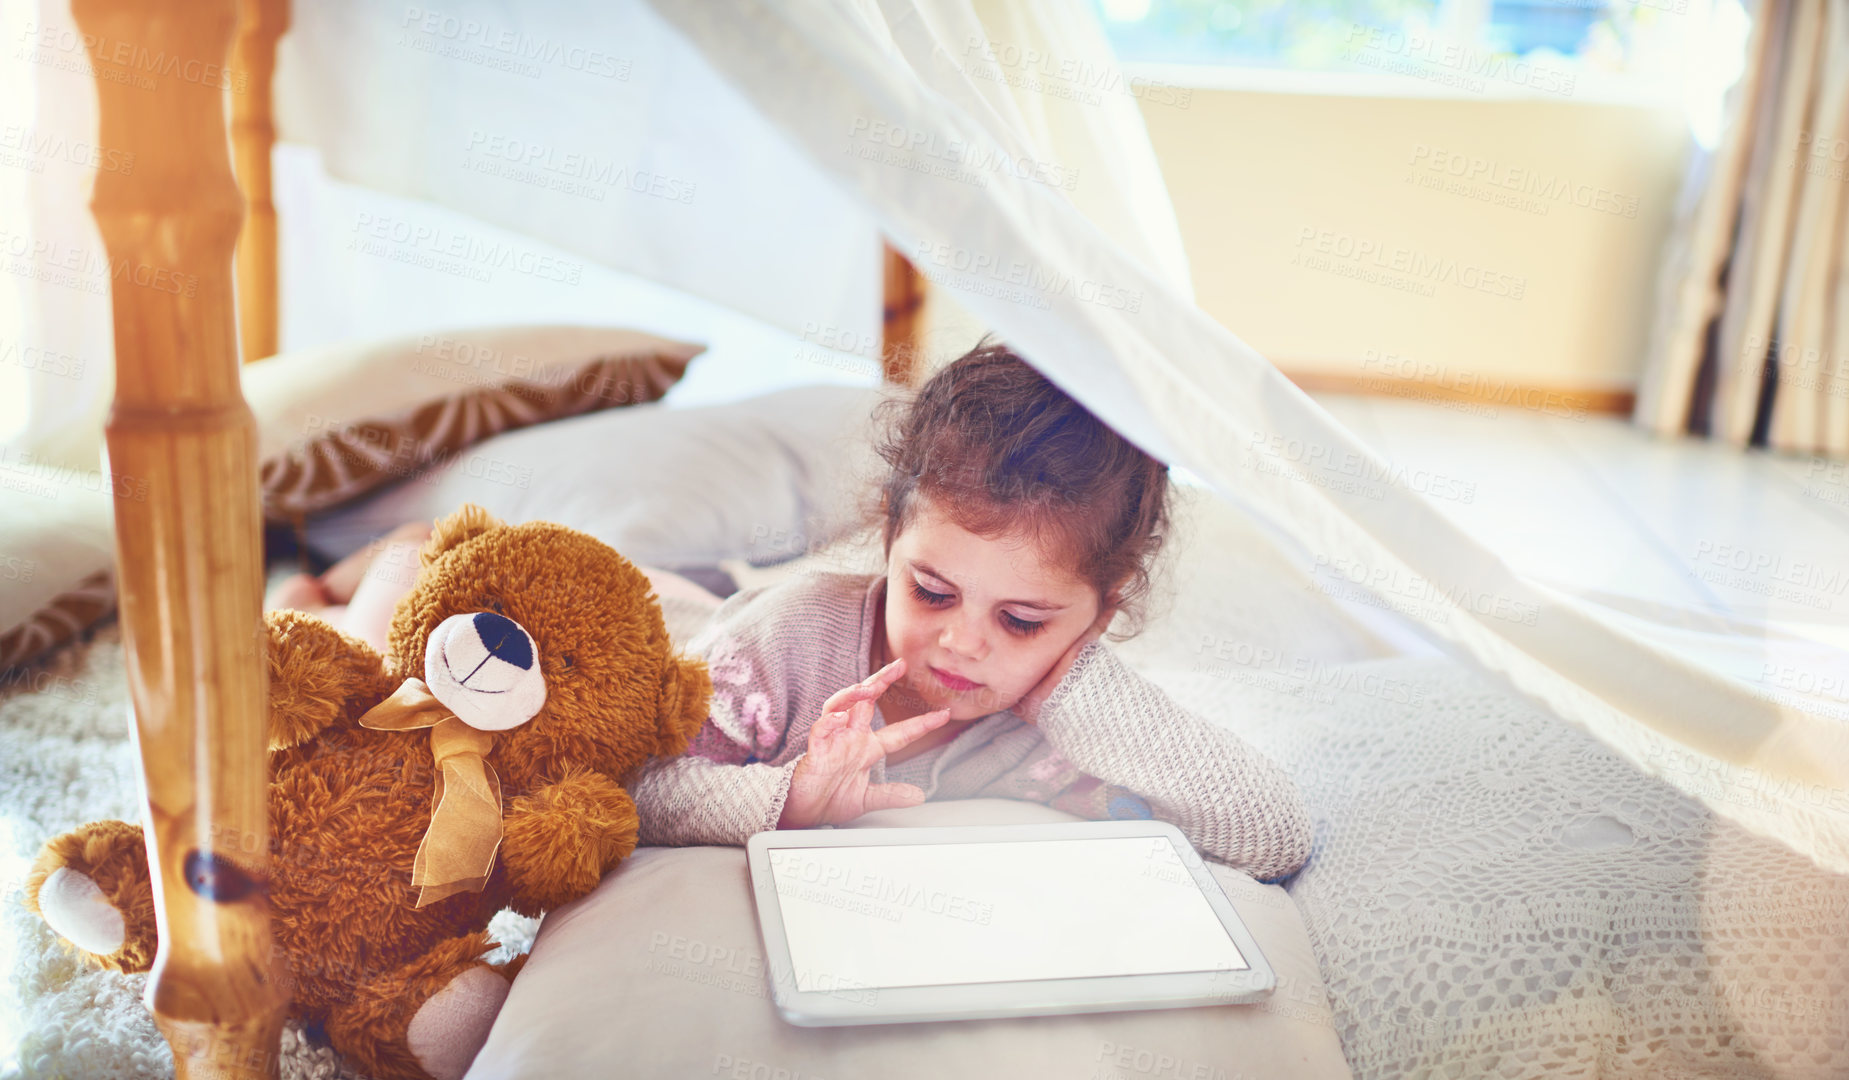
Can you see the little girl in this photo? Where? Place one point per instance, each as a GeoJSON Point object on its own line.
{"type": "Point", "coordinates": [1016, 525]}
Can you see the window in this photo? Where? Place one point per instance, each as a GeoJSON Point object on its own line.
{"type": "Point", "coordinates": [1263, 33]}
{"type": "Point", "coordinates": [1682, 51]}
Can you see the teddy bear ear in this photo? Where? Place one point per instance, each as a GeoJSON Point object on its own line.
{"type": "Point", "coordinates": [465, 524]}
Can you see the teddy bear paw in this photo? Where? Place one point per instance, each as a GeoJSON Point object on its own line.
{"type": "Point", "coordinates": [74, 906]}
{"type": "Point", "coordinates": [450, 1028]}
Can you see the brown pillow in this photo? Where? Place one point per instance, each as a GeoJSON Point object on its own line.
{"type": "Point", "coordinates": [335, 424]}
{"type": "Point", "coordinates": [56, 561]}
{"type": "Point", "coordinates": [68, 614]}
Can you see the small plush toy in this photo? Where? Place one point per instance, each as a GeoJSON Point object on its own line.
{"type": "Point", "coordinates": [414, 795]}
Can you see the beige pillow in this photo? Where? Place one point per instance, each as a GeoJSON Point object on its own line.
{"type": "Point", "coordinates": [337, 422]}
{"type": "Point", "coordinates": [660, 973]}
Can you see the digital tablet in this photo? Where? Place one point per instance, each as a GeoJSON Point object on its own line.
{"type": "Point", "coordinates": [890, 926]}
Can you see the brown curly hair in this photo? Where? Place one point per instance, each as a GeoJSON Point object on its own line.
{"type": "Point", "coordinates": [1003, 452]}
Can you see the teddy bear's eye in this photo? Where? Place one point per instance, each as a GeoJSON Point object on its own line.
{"type": "Point", "coordinates": [566, 659]}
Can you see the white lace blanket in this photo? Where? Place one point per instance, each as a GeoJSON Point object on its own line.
{"type": "Point", "coordinates": [1493, 894]}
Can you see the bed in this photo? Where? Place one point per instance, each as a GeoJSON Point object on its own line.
{"type": "Point", "coordinates": [1451, 865]}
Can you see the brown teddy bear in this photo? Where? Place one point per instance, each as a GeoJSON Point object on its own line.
{"type": "Point", "coordinates": [414, 795]}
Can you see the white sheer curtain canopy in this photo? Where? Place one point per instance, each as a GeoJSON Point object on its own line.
{"type": "Point", "coordinates": [1045, 217]}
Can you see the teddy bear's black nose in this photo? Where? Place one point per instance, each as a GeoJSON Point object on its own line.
{"type": "Point", "coordinates": [503, 639]}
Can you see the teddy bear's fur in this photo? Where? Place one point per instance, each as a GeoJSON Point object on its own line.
{"type": "Point", "coordinates": [399, 989]}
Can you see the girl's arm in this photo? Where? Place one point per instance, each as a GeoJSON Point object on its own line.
{"type": "Point", "coordinates": [713, 796]}
{"type": "Point", "coordinates": [776, 745]}
{"type": "Point", "coordinates": [730, 783]}
{"type": "Point", "coordinates": [693, 799]}
{"type": "Point", "coordinates": [1231, 801]}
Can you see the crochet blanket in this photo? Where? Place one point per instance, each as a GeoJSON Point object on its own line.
{"type": "Point", "coordinates": [1492, 893]}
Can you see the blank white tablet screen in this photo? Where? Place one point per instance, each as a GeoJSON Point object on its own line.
{"type": "Point", "coordinates": [939, 914]}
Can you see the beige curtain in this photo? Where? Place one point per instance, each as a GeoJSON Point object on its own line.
{"type": "Point", "coordinates": [1751, 339]}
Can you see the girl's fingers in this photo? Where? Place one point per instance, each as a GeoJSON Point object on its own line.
{"type": "Point", "coordinates": [895, 736]}
{"type": "Point", "coordinates": [871, 687]}
{"type": "Point", "coordinates": [826, 727]}
{"type": "Point", "coordinates": [887, 796]}
{"type": "Point", "coordinates": [841, 699]}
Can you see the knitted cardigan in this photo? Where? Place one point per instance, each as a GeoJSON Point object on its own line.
{"type": "Point", "coordinates": [1108, 743]}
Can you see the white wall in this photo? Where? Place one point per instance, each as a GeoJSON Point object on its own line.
{"type": "Point", "coordinates": [1278, 192]}
{"type": "Point", "coordinates": [337, 285]}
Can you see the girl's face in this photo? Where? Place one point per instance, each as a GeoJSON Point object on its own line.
{"type": "Point", "coordinates": [978, 622]}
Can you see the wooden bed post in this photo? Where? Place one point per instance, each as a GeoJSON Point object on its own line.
{"type": "Point", "coordinates": [253, 136]}
{"type": "Point", "coordinates": [182, 453]}
{"type": "Point", "coordinates": [903, 299]}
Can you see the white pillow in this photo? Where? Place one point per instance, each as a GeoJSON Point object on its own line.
{"type": "Point", "coordinates": [765, 479]}
{"type": "Point", "coordinates": [660, 972]}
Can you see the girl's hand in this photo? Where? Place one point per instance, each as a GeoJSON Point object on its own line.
{"type": "Point", "coordinates": [1028, 708]}
{"type": "Point", "coordinates": [830, 785]}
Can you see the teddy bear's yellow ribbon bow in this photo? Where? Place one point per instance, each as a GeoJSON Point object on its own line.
{"type": "Point", "coordinates": [458, 849]}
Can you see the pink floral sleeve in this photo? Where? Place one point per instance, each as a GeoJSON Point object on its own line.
{"type": "Point", "coordinates": [735, 776]}
{"type": "Point", "coordinates": [739, 728]}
